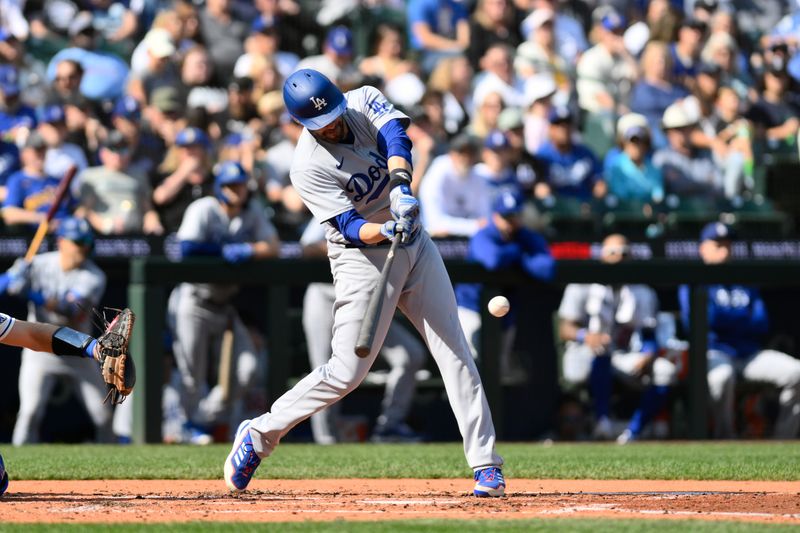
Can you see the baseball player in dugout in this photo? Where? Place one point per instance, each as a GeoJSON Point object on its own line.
{"type": "Point", "coordinates": [61, 287]}
{"type": "Point", "coordinates": [401, 350]}
{"type": "Point", "coordinates": [737, 324]}
{"type": "Point", "coordinates": [503, 243]}
{"type": "Point", "coordinates": [610, 330]}
{"type": "Point", "coordinates": [352, 168]}
{"type": "Point", "coordinates": [229, 225]}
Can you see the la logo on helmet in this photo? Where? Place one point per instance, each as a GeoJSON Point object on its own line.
{"type": "Point", "coordinates": [319, 103]}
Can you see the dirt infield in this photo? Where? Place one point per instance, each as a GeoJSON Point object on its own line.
{"type": "Point", "coordinates": [395, 499]}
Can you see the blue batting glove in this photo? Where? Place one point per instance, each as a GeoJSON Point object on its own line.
{"type": "Point", "coordinates": [403, 204]}
{"type": "Point", "coordinates": [238, 252]}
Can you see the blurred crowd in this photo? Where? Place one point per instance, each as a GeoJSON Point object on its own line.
{"type": "Point", "coordinates": [519, 108]}
{"type": "Point", "coordinates": [614, 103]}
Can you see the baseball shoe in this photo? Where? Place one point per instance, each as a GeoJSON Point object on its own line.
{"type": "Point", "coordinates": [489, 482]}
{"type": "Point", "coordinates": [242, 462]}
{"type": "Point", "coordinates": [195, 434]}
{"type": "Point", "coordinates": [626, 437]}
{"type": "Point", "coordinates": [3, 476]}
{"type": "Point", "coordinates": [398, 433]}
{"type": "Point", "coordinates": [603, 429]}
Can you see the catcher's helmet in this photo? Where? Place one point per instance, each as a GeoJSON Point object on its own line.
{"type": "Point", "coordinates": [312, 99]}
{"type": "Point", "coordinates": [76, 230]}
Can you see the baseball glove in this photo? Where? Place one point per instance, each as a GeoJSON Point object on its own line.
{"type": "Point", "coordinates": [111, 351]}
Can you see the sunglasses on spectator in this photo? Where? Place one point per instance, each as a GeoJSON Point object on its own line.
{"type": "Point", "coordinates": [70, 77]}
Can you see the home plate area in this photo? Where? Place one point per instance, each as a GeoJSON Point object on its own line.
{"type": "Point", "coordinates": [275, 500]}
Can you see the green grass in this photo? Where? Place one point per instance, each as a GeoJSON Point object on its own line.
{"type": "Point", "coordinates": [577, 525]}
{"type": "Point", "coordinates": [718, 460]}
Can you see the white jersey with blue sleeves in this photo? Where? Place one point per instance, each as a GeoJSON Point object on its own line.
{"type": "Point", "coordinates": [333, 178]}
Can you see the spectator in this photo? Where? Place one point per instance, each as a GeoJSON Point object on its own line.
{"type": "Point", "coordinates": [504, 244]}
{"type": "Point", "coordinates": [454, 198]}
{"type": "Point", "coordinates": [686, 51]}
{"type": "Point", "coordinates": [115, 202]}
{"type": "Point", "coordinates": [490, 24]}
{"type": "Point", "coordinates": [452, 78]}
{"type": "Point", "coordinates": [61, 287]}
{"type": "Point", "coordinates": [721, 49]}
{"type": "Point", "coordinates": [734, 132]}
{"type": "Point", "coordinates": [61, 155]}
{"type": "Point", "coordinates": [654, 92]}
{"type": "Point", "coordinates": [264, 41]}
{"type": "Point", "coordinates": [67, 81]}
{"type": "Point", "coordinates": [388, 59]}
{"type": "Point", "coordinates": [167, 26]}
{"type": "Point", "coordinates": [30, 191]}
{"type": "Point", "coordinates": [223, 33]}
{"type": "Point", "coordinates": [661, 20]}
{"type": "Point", "coordinates": [198, 85]}
{"type": "Point", "coordinates": [278, 161]}
{"type": "Point", "coordinates": [240, 115]}
{"type": "Point", "coordinates": [336, 60]}
{"type": "Point", "coordinates": [570, 37]}
{"type": "Point", "coordinates": [182, 178]}
{"type": "Point", "coordinates": [437, 29]}
{"type": "Point", "coordinates": [487, 111]}
{"type": "Point", "coordinates": [632, 175]}
{"type": "Point", "coordinates": [606, 71]}
{"type": "Point", "coordinates": [11, 49]}
{"type": "Point", "coordinates": [404, 353]}
{"type": "Point", "coordinates": [774, 115]}
{"type": "Point", "coordinates": [570, 169]}
{"type": "Point", "coordinates": [611, 329]}
{"type": "Point", "coordinates": [687, 169]}
{"type": "Point", "coordinates": [539, 92]}
{"type": "Point", "coordinates": [495, 167]}
{"type": "Point", "coordinates": [116, 23]}
{"type": "Point", "coordinates": [539, 55]}
{"type": "Point", "coordinates": [226, 225]}
{"type": "Point", "coordinates": [497, 76]}
{"type": "Point", "coordinates": [158, 69]}
{"type": "Point", "coordinates": [15, 116]}
{"type": "Point", "coordinates": [512, 123]}
{"type": "Point", "coordinates": [146, 148]}
{"type": "Point", "coordinates": [163, 117]}
{"type": "Point", "coordinates": [737, 323]}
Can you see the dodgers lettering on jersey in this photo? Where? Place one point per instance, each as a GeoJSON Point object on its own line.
{"type": "Point", "coordinates": [333, 178]}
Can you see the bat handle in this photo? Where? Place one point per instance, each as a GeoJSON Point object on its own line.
{"type": "Point", "coordinates": [366, 335]}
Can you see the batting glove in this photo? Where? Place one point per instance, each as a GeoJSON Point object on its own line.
{"type": "Point", "coordinates": [406, 227]}
{"type": "Point", "coordinates": [238, 252]}
{"type": "Point", "coordinates": [18, 276]}
{"type": "Point", "coordinates": [403, 204]}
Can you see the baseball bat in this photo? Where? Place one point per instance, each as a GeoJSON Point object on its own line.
{"type": "Point", "coordinates": [366, 335]}
{"type": "Point", "coordinates": [41, 231]}
{"type": "Point", "coordinates": [225, 363]}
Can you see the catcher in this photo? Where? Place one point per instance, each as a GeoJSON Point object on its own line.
{"type": "Point", "coordinates": [110, 350]}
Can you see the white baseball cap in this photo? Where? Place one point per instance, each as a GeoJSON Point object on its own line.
{"type": "Point", "coordinates": [159, 43]}
{"type": "Point", "coordinates": [539, 86]}
{"type": "Point", "coordinates": [677, 116]}
{"type": "Point", "coordinates": [631, 121]}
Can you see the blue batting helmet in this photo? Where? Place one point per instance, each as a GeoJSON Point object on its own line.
{"type": "Point", "coordinates": [76, 230]}
{"type": "Point", "coordinates": [312, 99]}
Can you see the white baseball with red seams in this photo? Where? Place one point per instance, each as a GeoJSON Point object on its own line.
{"type": "Point", "coordinates": [499, 306]}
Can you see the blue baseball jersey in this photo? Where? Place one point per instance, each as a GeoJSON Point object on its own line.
{"type": "Point", "coordinates": [333, 178]}
{"type": "Point", "coordinates": [573, 173]}
{"type": "Point", "coordinates": [737, 318]}
{"type": "Point", "coordinates": [526, 249]}
{"type": "Point", "coordinates": [9, 160]}
{"type": "Point", "coordinates": [36, 193]}
{"type": "Point", "coordinates": [24, 116]}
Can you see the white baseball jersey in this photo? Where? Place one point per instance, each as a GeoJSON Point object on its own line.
{"type": "Point", "coordinates": [205, 221]}
{"type": "Point", "coordinates": [334, 178]}
{"type": "Point", "coordinates": [85, 284]}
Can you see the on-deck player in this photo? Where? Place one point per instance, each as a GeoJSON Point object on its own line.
{"type": "Point", "coordinates": [352, 168]}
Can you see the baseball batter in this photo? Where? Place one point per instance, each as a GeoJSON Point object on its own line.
{"type": "Point", "coordinates": [352, 168]}
{"type": "Point", "coordinates": [62, 287]}
{"type": "Point", "coordinates": [231, 226]}
{"type": "Point", "coordinates": [404, 353]}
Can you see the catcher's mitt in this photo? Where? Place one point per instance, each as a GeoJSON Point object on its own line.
{"type": "Point", "coordinates": [111, 351]}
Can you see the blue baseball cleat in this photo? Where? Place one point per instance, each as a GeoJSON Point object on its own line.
{"type": "Point", "coordinates": [3, 476]}
{"type": "Point", "coordinates": [489, 482]}
{"type": "Point", "coordinates": [242, 462]}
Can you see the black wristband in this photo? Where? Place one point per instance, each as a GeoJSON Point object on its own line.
{"type": "Point", "coordinates": [67, 341]}
{"type": "Point", "coordinates": [399, 176]}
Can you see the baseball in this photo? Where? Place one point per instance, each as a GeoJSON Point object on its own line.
{"type": "Point", "coordinates": [499, 306]}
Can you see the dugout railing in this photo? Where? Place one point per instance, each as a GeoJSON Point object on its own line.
{"type": "Point", "coordinates": [150, 278]}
